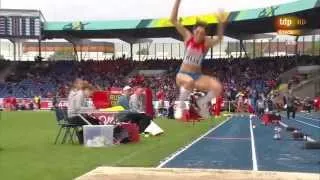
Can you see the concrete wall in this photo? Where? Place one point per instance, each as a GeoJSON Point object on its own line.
{"type": "Point", "coordinates": [286, 76]}
{"type": "Point", "coordinates": [309, 88]}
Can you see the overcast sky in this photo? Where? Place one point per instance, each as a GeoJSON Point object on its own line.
{"type": "Point", "coordinates": [63, 10]}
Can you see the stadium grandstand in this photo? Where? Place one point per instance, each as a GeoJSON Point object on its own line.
{"type": "Point", "coordinates": [269, 54]}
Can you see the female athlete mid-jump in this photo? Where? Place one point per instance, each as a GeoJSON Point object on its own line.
{"type": "Point", "coordinates": [190, 77]}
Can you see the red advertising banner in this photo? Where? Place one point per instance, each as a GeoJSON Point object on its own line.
{"type": "Point", "coordinates": [45, 104]}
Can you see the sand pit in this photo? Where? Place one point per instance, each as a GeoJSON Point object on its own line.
{"type": "Point", "coordinates": [114, 173]}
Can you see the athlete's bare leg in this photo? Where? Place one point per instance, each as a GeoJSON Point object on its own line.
{"type": "Point", "coordinates": [213, 88]}
{"type": "Point", "coordinates": [186, 84]}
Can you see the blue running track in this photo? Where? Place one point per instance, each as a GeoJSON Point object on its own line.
{"type": "Point", "coordinates": [230, 147]}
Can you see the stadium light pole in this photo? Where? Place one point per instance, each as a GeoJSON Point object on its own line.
{"type": "Point", "coordinates": [296, 45]}
{"type": "Point", "coordinates": [313, 44]}
{"type": "Point", "coordinates": [269, 46]}
{"type": "Point", "coordinates": [220, 49]}
{"type": "Point", "coordinates": [179, 50]}
{"type": "Point", "coordinates": [163, 51]}
{"type": "Point", "coordinates": [228, 50]}
{"type": "Point", "coordinates": [171, 50]}
{"type": "Point", "coordinates": [131, 51]}
{"type": "Point", "coordinates": [14, 51]}
{"type": "Point", "coordinates": [286, 47]}
{"type": "Point", "coordinates": [277, 46]}
{"type": "Point", "coordinates": [139, 51]}
{"type": "Point", "coordinates": [302, 45]}
{"type": "Point", "coordinates": [155, 50]}
{"type": "Point", "coordinates": [319, 46]}
{"type": "Point", "coordinates": [254, 48]}
{"type": "Point", "coordinates": [121, 49]}
{"type": "Point", "coordinates": [261, 48]}
{"type": "Point", "coordinates": [0, 39]}
{"type": "Point", "coordinates": [236, 49]}
{"type": "Point", "coordinates": [241, 46]}
{"type": "Point", "coordinates": [211, 50]}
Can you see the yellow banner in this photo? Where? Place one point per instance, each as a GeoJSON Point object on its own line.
{"type": "Point", "coordinates": [190, 20]}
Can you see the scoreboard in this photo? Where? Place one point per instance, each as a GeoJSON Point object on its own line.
{"type": "Point", "coordinates": [20, 25]}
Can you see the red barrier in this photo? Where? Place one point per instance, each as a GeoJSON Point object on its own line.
{"type": "Point", "coordinates": [218, 104]}
{"type": "Point", "coordinates": [101, 99]}
{"type": "Point", "coordinates": [10, 103]}
{"type": "Point", "coordinates": [133, 131]}
{"type": "Point", "coordinates": [317, 103]}
{"type": "Point", "coordinates": [149, 104]}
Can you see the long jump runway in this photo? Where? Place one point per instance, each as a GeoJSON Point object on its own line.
{"type": "Point", "coordinates": [308, 123]}
{"type": "Point", "coordinates": [244, 144]}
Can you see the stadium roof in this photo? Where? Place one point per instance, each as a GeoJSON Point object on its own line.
{"type": "Point", "coordinates": [241, 23]}
{"type": "Point", "coordinates": [62, 10]}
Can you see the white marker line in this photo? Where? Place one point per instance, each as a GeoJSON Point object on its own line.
{"type": "Point", "coordinates": [253, 149]}
{"type": "Point", "coordinates": [312, 125]}
{"type": "Point", "coordinates": [226, 138]}
{"type": "Point", "coordinates": [318, 120]}
{"type": "Point", "coordinates": [174, 155]}
{"type": "Point", "coordinates": [309, 139]}
{"type": "Point", "coordinates": [283, 124]}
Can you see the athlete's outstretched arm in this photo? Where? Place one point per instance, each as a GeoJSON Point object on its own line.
{"type": "Point", "coordinates": [184, 32]}
{"type": "Point", "coordinates": [222, 18]}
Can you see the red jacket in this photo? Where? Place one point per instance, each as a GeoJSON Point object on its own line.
{"type": "Point", "coordinates": [160, 95]}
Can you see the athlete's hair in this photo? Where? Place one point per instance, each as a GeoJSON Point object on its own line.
{"type": "Point", "coordinates": [202, 24]}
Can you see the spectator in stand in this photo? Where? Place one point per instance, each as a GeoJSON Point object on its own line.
{"type": "Point", "coordinates": [240, 102]}
{"type": "Point", "coordinates": [236, 75]}
{"type": "Point", "coordinates": [55, 101]}
{"type": "Point", "coordinates": [307, 104]}
{"type": "Point", "coordinates": [161, 98]}
{"type": "Point", "coordinates": [171, 110]}
{"type": "Point", "coordinates": [37, 101]}
{"type": "Point", "coordinates": [260, 106]}
{"type": "Point", "coordinates": [269, 104]}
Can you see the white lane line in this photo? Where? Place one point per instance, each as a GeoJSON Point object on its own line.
{"type": "Point", "coordinates": [253, 149]}
{"type": "Point", "coordinates": [174, 155]}
{"type": "Point", "coordinates": [312, 125]}
{"type": "Point", "coordinates": [318, 120]}
{"type": "Point", "coordinates": [226, 138]}
{"type": "Point", "coordinates": [283, 124]}
{"type": "Point", "coordinates": [308, 138]}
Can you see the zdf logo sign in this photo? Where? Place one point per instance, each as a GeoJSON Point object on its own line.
{"type": "Point", "coordinates": [289, 22]}
{"type": "Point", "coordinates": [285, 22]}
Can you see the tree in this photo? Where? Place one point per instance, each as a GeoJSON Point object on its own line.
{"type": "Point", "coordinates": [315, 51]}
{"type": "Point", "coordinates": [250, 48]}
{"type": "Point", "coordinates": [1, 57]}
{"type": "Point", "coordinates": [143, 51]}
{"type": "Point", "coordinates": [63, 54]}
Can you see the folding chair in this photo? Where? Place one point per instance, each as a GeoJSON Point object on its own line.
{"type": "Point", "coordinates": [69, 129]}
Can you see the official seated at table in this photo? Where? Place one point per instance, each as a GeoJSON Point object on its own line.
{"type": "Point", "coordinates": [135, 111]}
{"type": "Point", "coordinates": [76, 105]}
{"type": "Point", "coordinates": [124, 98]}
